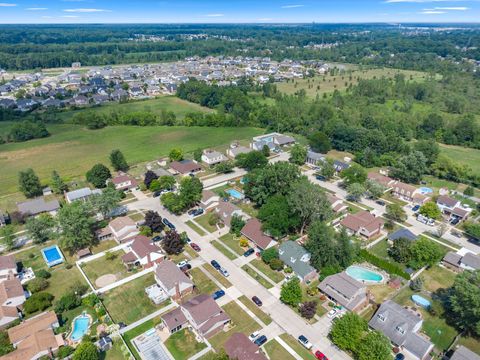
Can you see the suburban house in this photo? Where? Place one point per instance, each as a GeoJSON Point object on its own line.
{"type": "Point", "coordinates": [253, 232]}
{"type": "Point", "coordinates": [404, 191]}
{"type": "Point", "coordinates": [346, 291]}
{"type": "Point", "coordinates": [82, 194]}
{"type": "Point", "coordinates": [212, 157]}
{"type": "Point", "coordinates": [209, 199]}
{"type": "Point", "coordinates": [402, 233]}
{"type": "Point", "coordinates": [401, 326]}
{"type": "Point", "coordinates": [272, 140]}
{"type": "Point", "coordinates": [363, 223]}
{"type": "Point", "coordinates": [461, 260]}
{"type": "Point", "coordinates": [240, 347]}
{"type": "Point", "coordinates": [35, 337]}
{"type": "Point", "coordinates": [453, 208]}
{"type": "Point", "coordinates": [463, 353]}
{"type": "Point", "coordinates": [225, 210]}
{"type": "Point", "coordinates": [383, 180]}
{"type": "Point", "coordinates": [172, 280]}
{"type": "Point", "coordinates": [122, 229]}
{"type": "Point", "coordinates": [202, 313]}
{"type": "Point", "coordinates": [124, 182]}
{"type": "Point", "coordinates": [296, 257]}
{"type": "Point", "coordinates": [185, 166]}
{"type": "Point", "coordinates": [336, 203]}
{"type": "Point", "coordinates": [339, 166]}
{"type": "Point", "coordinates": [12, 296]}
{"type": "Point", "coordinates": [143, 252]}
{"type": "Point", "coordinates": [8, 267]}
{"type": "Point", "coordinates": [314, 158]}
{"type": "Point", "coordinates": [234, 150]}
{"type": "Point", "coordinates": [38, 206]}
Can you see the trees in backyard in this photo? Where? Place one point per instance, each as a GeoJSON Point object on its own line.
{"type": "Point", "coordinates": [354, 174]}
{"type": "Point", "coordinates": [154, 221]}
{"type": "Point", "coordinates": [298, 154]}
{"type": "Point", "coordinates": [149, 177]}
{"type": "Point", "coordinates": [355, 191]}
{"type": "Point", "coordinates": [374, 189]}
{"type": "Point", "coordinates": [252, 160]}
{"type": "Point", "coordinates": [76, 226]}
{"type": "Point", "coordinates": [291, 292]}
{"type": "Point", "coordinates": [106, 202]}
{"type": "Point", "coordinates": [430, 210]}
{"type": "Point", "coordinates": [29, 183]}
{"type": "Point", "coordinates": [410, 168]}
{"type": "Point", "coordinates": [319, 142]}
{"type": "Point", "coordinates": [425, 252]}
{"type": "Point", "coordinates": [57, 184]}
{"type": "Point", "coordinates": [40, 228]}
{"type": "Point", "coordinates": [175, 154]}
{"type": "Point", "coordinates": [190, 192]}
{"type": "Point", "coordinates": [277, 217]}
{"type": "Point", "coordinates": [117, 159]}
{"type": "Point", "coordinates": [224, 167]}
{"type": "Point", "coordinates": [172, 244]}
{"type": "Point", "coordinates": [327, 170]}
{"type": "Point", "coordinates": [400, 250]}
{"type": "Point", "coordinates": [86, 351]}
{"type": "Point", "coordinates": [98, 175]}
{"type": "Point", "coordinates": [7, 236]}
{"type": "Point", "coordinates": [236, 224]}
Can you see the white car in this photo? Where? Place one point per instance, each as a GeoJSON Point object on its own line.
{"type": "Point", "coordinates": [182, 263]}
{"type": "Point", "coordinates": [332, 313]}
{"type": "Point", "coordinates": [254, 335]}
{"type": "Point", "coordinates": [224, 272]}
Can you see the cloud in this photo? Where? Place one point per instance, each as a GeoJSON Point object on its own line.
{"type": "Point", "coordinates": [432, 12]}
{"type": "Point", "coordinates": [292, 6]}
{"type": "Point", "coordinates": [421, 1]}
{"type": "Point", "coordinates": [69, 16]}
{"type": "Point", "coordinates": [452, 8]}
{"type": "Point", "coordinates": [265, 19]}
{"type": "Point", "coordinates": [86, 10]}
{"type": "Point", "coordinates": [215, 15]}
{"type": "Point", "coordinates": [36, 9]}
{"type": "Point", "coordinates": [7, 5]}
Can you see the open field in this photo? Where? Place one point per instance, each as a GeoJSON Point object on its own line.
{"type": "Point", "coordinates": [463, 156]}
{"type": "Point", "coordinates": [72, 150]}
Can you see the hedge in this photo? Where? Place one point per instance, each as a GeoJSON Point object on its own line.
{"type": "Point", "coordinates": [392, 269]}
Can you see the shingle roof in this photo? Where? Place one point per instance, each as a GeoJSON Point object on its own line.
{"type": "Point", "coordinates": [169, 274]}
{"type": "Point", "coordinates": [29, 326]}
{"type": "Point", "coordinates": [185, 166]}
{"type": "Point", "coordinates": [290, 250]}
{"type": "Point", "coordinates": [343, 289]}
{"type": "Point", "coordinates": [143, 246]}
{"type": "Point", "coordinates": [81, 193]}
{"type": "Point", "coordinates": [38, 206]}
{"type": "Point", "coordinates": [447, 201]}
{"type": "Point", "coordinates": [7, 262]}
{"type": "Point", "coordinates": [402, 233]}
{"type": "Point", "coordinates": [253, 231]}
{"type": "Point", "coordinates": [239, 347]}
{"type": "Point", "coordinates": [9, 289]}
{"type": "Point", "coordinates": [202, 307]}
{"type": "Point", "coordinates": [174, 318]}
{"type": "Point", "coordinates": [362, 219]}
{"type": "Point", "coordinates": [121, 222]}
{"type": "Point", "coordinates": [452, 258]}
{"type": "Point", "coordinates": [471, 260]}
{"type": "Point", "coordinates": [462, 353]}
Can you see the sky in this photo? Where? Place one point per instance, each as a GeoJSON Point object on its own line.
{"type": "Point", "coordinates": [238, 11]}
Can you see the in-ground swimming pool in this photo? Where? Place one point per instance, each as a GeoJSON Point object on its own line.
{"type": "Point", "coordinates": [421, 301]}
{"type": "Point", "coordinates": [52, 255]}
{"type": "Point", "coordinates": [362, 274]}
{"type": "Point", "coordinates": [80, 327]}
{"type": "Point", "coordinates": [425, 190]}
{"type": "Point", "coordinates": [235, 194]}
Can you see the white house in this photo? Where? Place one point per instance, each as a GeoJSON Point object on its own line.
{"type": "Point", "coordinates": [143, 252]}
{"type": "Point", "coordinates": [212, 157]}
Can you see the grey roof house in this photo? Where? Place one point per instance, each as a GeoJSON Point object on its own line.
{"type": "Point", "coordinates": [314, 158]}
{"type": "Point", "coordinates": [402, 233]}
{"type": "Point", "coordinates": [462, 353]}
{"type": "Point", "coordinates": [401, 326]}
{"type": "Point", "coordinates": [296, 257]}
{"type": "Point", "coordinates": [345, 290]}
{"type": "Point", "coordinates": [81, 194]}
{"type": "Point", "coordinates": [460, 262]}
{"type": "Point", "coordinates": [38, 206]}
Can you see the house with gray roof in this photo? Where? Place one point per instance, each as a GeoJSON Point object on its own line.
{"type": "Point", "coordinates": [234, 150]}
{"type": "Point", "coordinates": [346, 291]}
{"type": "Point", "coordinates": [402, 233]}
{"type": "Point", "coordinates": [38, 206]}
{"type": "Point", "coordinates": [462, 353]}
{"type": "Point", "coordinates": [81, 194]}
{"type": "Point", "coordinates": [172, 280]}
{"type": "Point", "coordinates": [314, 158]}
{"type": "Point", "coordinates": [296, 257]}
{"type": "Point", "coordinates": [461, 261]}
{"type": "Point", "coordinates": [401, 326]}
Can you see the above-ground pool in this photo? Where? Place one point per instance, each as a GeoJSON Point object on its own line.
{"type": "Point", "coordinates": [421, 301]}
{"type": "Point", "coordinates": [52, 255]}
{"type": "Point", "coordinates": [362, 274]}
{"type": "Point", "coordinates": [235, 194]}
{"type": "Point", "coordinates": [80, 327]}
{"type": "Point", "coordinates": [425, 190]}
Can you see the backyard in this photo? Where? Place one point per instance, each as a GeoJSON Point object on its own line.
{"type": "Point", "coordinates": [103, 266]}
{"type": "Point", "coordinates": [182, 344]}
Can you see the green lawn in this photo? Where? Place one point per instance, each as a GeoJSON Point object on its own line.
{"type": "Point", "coordinates": [275, 276]}
{"type": "Point", "coordinates": [463, 156]}
{"type": "Point", "coordinates": [203, 222]}
{"type": "Point", "coordinates": [182, 344]}
{"type": "Point", "coordinates": [216, 244]}
{"type": "Point", "coordinates": [101, 266]}
{"type": "Point", "coordinates": [233, 243]}
{"type": "Point", "coordinates": [103, 245]}
{"type": "Point", "coordinates": [380, 249]}
{"type": "Point", "coordinates": [297, 347]}
{"type": "Point", "coordinates": [257, 277]}
{"type": "Point", "coordinates": [116, 352]}
{"type": "Point", "coordinates": [129, 302]}
{"type": "Point", "coordinates": [195, 228]}
{"type": "Point", "coordinates": [277, 351]}
{"type": "Point", "coordinates": [203, 284]}
{"type": "Point", "coordinates": [219, 277]}
{"type": "Point", "coordinates": [255, 309]}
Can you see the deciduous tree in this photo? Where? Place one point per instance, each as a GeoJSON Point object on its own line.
{"type": "Point", "coordinates": [57, 184]}
{"type": "Point", "coordinates": [298, 154]}
{"type": "Point", "coordinates": [430, 210]}
{"type": "Point", "coordinates": [172, 244]}
{"type": "Point", "coordinates": [40, 228]}
{"type": "Point", "coordinates": [175, 154]}
{"type": "Point", "coordinates": [154, 221]}
{"type": "Point", "coordinates": [76, 226]}
{"type": "Point", "coordinates": [118, 161]}
{"type": "Point", "coordinates": [149, 177]}
{"type": "Point", "coordinates": [291, 292]}
{"type": "Point", "coordinates": [98, 175]}
{"type": "Point", "coordinates": [29, 183]}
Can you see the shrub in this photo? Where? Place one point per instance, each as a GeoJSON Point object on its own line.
{"type": "Point", "coordinates": [68, 266]}
{"type": "Point", "coordinates": [392, 269]}
{"type": "Point", "coordinates": [308, 309]}
{"type": "Point", "coordinates": [276, 264]}
{"type": "Point", "coordinates": [288, 270]}
{"type": "Point", "coordinates": [243, 242]}
{"type": "Point", "coordinates": [90, 300]}
{"type": "Point", "coordinates": [38, 302]}
{"type": "Point", "coordinates": [269, 254]}
{"type": "Point", "coordinates": [67, 302]}
{"type": "Point", "coordinates": [110, 255]}
{"type": "Point", "coordinates": [65, 351]}
{"type": "Point", "coordinates": [36, 285]}
{"type": "Point", "coordinates": [78, 288]}
{"type": "Point", "coordinates": [416, 284]}
{"type": "Point", "coordinates": [43, 274]}
{"type": "Point", "coordinates": [101, 312]}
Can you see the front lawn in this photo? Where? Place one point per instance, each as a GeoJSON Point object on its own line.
{"type": "Point", "coordinates": [203, 222]}
{"type": "Point", "coordinates": [297, 347]}
{"type": "Point", "coordinates": [257, 276]}
{"type": "Point", "coordinates": [265, 318]}
{"type": "Point", "coordinates": [103, 266]}
{"type": "Point", "coordinates": [277, 351]}
{"type": "Point", "coordinates": [183, 345]}
{"type": "Point", "coordinates": [203, 284]}
{"type": "Point", "coordinates": [219, 277]}
{"type": "Point", "coordinates": [195, 228]}
{"type": "Point", "coordinates": [233, 243]}
{"type": "Point", "coordinates": [216, 244]}
{"type": "Point", "coordinates": [275, 276]}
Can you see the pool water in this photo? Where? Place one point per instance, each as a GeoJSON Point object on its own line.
{"type": "Point", "coordinates": [421, 301]}
{"type": "Point", "coordinates": [80, 327]}
{"type": "Point", "coordinates": [52, 255]}
{"type": "Point", "coordinates": [362, 274]}
{"type": "Point", "coordinates": [235, 193]}
{"type": "Point", "coordinates": [425, 190]}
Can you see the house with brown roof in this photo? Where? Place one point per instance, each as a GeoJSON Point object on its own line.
{"type": "Point", "coordinates": [202, 313]}
{"type": "Point", "coordinates": [209, 199]}
{"type": "Point", "coordinates": [363, 223]}
{"type": "Point", "coordinates": [8, 267]}
{"type": "Point", "coordinates": [336, 203]}
{"type": "Point", "coordinates": [142, 251]}
{"type": "Point", "coordinates": [172, 280]}
{"type": "Point", "coordinates": [385, 181]}
{"type": "Point", "coordinates": [185, 167]}
{"type": "Point", "coordinates": [253, 232]}
{"type": "Point", "coordinates": [346, 291]}
{"type": "Point", "coordinates": [239, 347]}
{"type": "Point", "coordinates": [122, 229]}
{"type": "Point", "coordinates": [124, 182]}
{"type": "Point", "coordinates": [453, 208]}
{"type": "Point", "coordinates": [404, 191]}
{"type": "Point", "coordinates": [226, 210]}
{"type": "Point", "coordinates": [12, 293]}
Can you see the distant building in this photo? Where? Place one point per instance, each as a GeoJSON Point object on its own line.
{"type": "Point", "coordinates": [402, 233]}
{"type": "Point", "coordinates": [453, 208]}
{"type": "Point", "coordinates": [185, 166]}
{"type": "Point", "coordinates": [314, 158]}
{"type": "Point", "coordinates": [122, 229]}
{"type": "Point", "coordinates": [143, 252]}
{"type": "Point", "coordinates": [461, 261]}
{"type": "Point", "coordinates": [234, 151]}
{"type": "Point", "coordinates": [124, 182]}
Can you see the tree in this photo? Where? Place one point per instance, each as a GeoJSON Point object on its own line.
{"type": "Point", "coordinates": [374, 346]}
{"type": "Point", "coordinates": [118, 161]}
{"type": "Point", "coordinates": [154, 221]}
{"type": "Point", "coordinates": [430, 210]}
{"type": "Point", "coordinates": [319, 142]}
{"type": "Point", "coordinates": [410, 168]}
{"type": "Point", "coordinates": [347, 331]}
{"type": "Point", "coordinates": [291, 293]}
{"type": "Point", "coordinates": [172, 243]}
{"type": "Point", "coordinates": [374, 189]}
{"type": "Point", "coordinates": [425, 252]}
{"type": "Point", "coordinates": [269, 254]}
{"type": "Point", "coordinates": [7, 236]}
{"type": "Point", "coordinates": [190, 191]}
{"type": "Point", "coordinates": [347, 251]}
{"type": "Point", "coordinates": [298, 154]}
{"type": "Point", "coordinates": [355, 191]}
{"type": "Point", "coordinates": [175, 154]}
{"type": "Point", "coordinates": [276, 216]}
{"type": "Point", "coordinates": [276, 264]}
{"type": "Point", "coordinates": [86, 351]}
{"type": "Point", "coordinates": [416, 284]}
{"type": "Point", "coordinates": [149, 177]}
{"type": "Point", "coordinates": [327, 170]}
{"type": "Point", "coordinates": [252, 160]}
{"type": "Point", "coordinates": [166, 182]}
{"type": "Point", "coordinates": [37, 284]}
{"type": "Point", "coordinates": [224, 167]}
{"type": "Point", "coordinates": [236, 224]}
{"type": "Point", "coordinates": [309, 202]}
{"type": "Point", "coordinates": [29, 183]}
{"type": "Point", "coordinates": [107, 201]}
{"type": "Point", "coordinates": [37, 302]}
{"type": "Point", "coordinates": [400, 250]}
{"type": "Point", "coordinates": [395, 212]}
{"type": "Point", "coordinates": [98, 175]}
{"type": "Point", "coordinates": [472, 229]}
{"type": "Point", "coordinates": [321, 246]}
{"type": "Point", "coordinates": [266, 151]}
{"type": "Point", "coordinates": [172, 202]}
{"type": "Point", "coordinates": [57, 184]}
{"type": "Point", "coordinates": [429, 148]}
{"type": "Point", "coordinates": [354, 174]}
{"type": "Point", "coordinates": [308, 309]}
{"type": "Point", "coordinates": [469, 191]}
{"type": "Point", "coordinates": [197, 155]}
{"type": "Point", "coordinates": [40, 228]}
{"type": "Point", "coordinates": [76, 226]}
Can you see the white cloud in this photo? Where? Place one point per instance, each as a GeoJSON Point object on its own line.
{"type": "Point", "coordinates": [36, 9]}
{"type": "Point", "coordinates": [292, 6]}
{"type": "Point", "coordinates": [215, 15]}
{"type": "Point", "coordinates": [422, 1]}
{"type": "Point", "coordinates": [69, 16]}
{"type": "Point", "coordinates": [452, 8]}
{"type": "Point", "coordinates": [432, 12]}
{"type": "Point", "coordinates": [7, 5]}
{"type": "Point", "coordinates": [86, 10]}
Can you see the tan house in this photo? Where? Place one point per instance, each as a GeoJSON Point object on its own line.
{"type": "Point", "coordinates": [122, 229]}
{"type": "Point", "coordinates": [226, 210]}
{"type": "Point", "coordinates": [363, 224]}
{"type": "Point", "coordinates": [143, 252]}
{"type": "Point", "coordinates": [404, 191]}
{"type": "Point", "coordinates": [385, 181]}
{"type": "Point", "coordinates": [172, 280]}
{"type": "Point", "coordinates": [346, 291]}
{"type": "Point", "coordinates": [124, 182]}
{"type": "Point", "coordinates": [336, 203]}
{"type": "Point", "coordinates": [209, 199]}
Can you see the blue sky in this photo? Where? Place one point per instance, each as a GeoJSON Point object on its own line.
{"type": "Point", "coordinates": [237, 11]}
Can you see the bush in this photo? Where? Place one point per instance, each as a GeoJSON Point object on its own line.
{"type": "Point", "coordinates": [67, 302]}
{"type": "Point", "coordinates": [101, 312]}
{"type": "Point", "coordinates": [276, 264]}
{"type": "Point", "coordinates": [308, 309]}
{"type": "Point", "coordinates": [416, 284]}
{"type": "Point", "coordinates": [36, 285]}
{"type": "Point", "coordinates": [65, 351]}
{"type": "Point", "coordinates": [90, 300]}
{"type": "Point", "coordinates": [243, 242]}
{"type": "Point", "coordinates": [43, 274]}
{"type": "Point", "coordinates": [383, 264]}
{"type": "Point", "coordinates": [68, 266]}
{"type": "Point", "coordinates": [78, 288]}
{"type": "Point", "coordinates": [38, 302]}
{"type": "Point", "coordinates": [288, 270]}
{"type": "Point", "coordinates": [110, 256]}
{"type": "Point", "coordinates": [269, 254]}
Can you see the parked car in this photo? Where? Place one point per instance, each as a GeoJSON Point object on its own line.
{"type": "Point", "coordinates": [332, 313]}
{"type": "Point", "coordinates": [168, 224]}
{"type": "Point", "coordinates": [320, 356]}
{"type": "Point", "coordinates": [253, 335]}
{"type": "Point", "coordinates": [455, 221]}
{"type": "Point", "coordinates": [186, 267]}
{"type": "Point", "coordinates": [304, 341]}
{"type": "Point", "coordinates": [157, 238]}
{"type": "Point", "coordinates": [320, 177]}
{"type": "Point", "coordinates": [224, 272]}
{"type": "Point", "coordinates": [218, 294]}
{"type": "Point", "coordinates": [257, 301]}
{"type": "Point", "coordinates": [399, 356]}
{"type": "Point", "coordinates": [456, 233]}
{"type": "Point", "coordinates": [416, 208]}
{"type": "Point", "coordinates": [249, 252]}
{"type": "Point", "coordinates": [195, 247]}
{"type": "Point", "coordinates": [261, 340]}
{"type": "Point", "coordinates": [215, 264]}
{"type": "Point", "coordinates": [182, 263]}
{"type": "Point", "coordinates": [157, 193]}
{"type": "Point", "coordinates": [380, 202]}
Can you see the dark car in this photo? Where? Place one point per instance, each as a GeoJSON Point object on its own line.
{"type": "Point", "coordinates": [455, 221]}
{"type": "Point", "coordinates": [261, 340]}
{"type": "Point", "coordinates": [257, 301]}
{"type": "Point", "coordinates": [197, 212]}
{"type": "Point", "coordinates": [215, 264]}
{"type": "Point", "coordinates": [320, 177]}
{"type": "Point", "coordinates": [416, 208]}
{"type": "Point", "coordinates": [380, 202]}
{"type": "Point", "coordinates": [157, 193]}
{"type": "Point", "coordinates": [168, 223]}
{"type": "Point", "coordinates": [399, 356]}
{"type": "Point", "coordinates": [157, 238]}
{"type": "Point", "coordinates": [249, 252]}
{"type": "Point", "coordinates": [186, 267]}
{"type": "Point", "coordinates": [218, 294]}
{"type": "Point", "coordinates": [195, 247]}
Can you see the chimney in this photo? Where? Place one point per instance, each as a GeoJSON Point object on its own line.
{"type": "Point", "coordinates": [177, 290]}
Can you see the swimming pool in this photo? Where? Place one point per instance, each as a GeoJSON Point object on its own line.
{"type": "Point", "coordinates": [52, 255]}
{"type": "Point", "coordinates": [421, 301]}
{"type": "Point", "coordinates": [362, 274]}
{"type": "Point", "coordinates": [235, 193]}
{"type": "Point", "coordinates": [425, 190]}
{"type": "Point", "coordinates": [80, 327]}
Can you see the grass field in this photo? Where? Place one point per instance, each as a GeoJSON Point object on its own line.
{"type": "Point", "coordinates": [72, 150]}
{"type": "Point", "coordinates": [223, 250]}
{"type": "Point", "coordinates": [233, 243]}
{"type": "Point", "coordinates": [101, 266]}
{"type": "Point", "coordinates": [463, 156]}
{"type": "Point", "coordinates": [182, 344]}
{"type": "Point", "coordinates": [219, 277]}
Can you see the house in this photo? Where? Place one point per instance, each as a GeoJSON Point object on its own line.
{"type": "Point", "coordinates": [12, 296]}
{"type": "Point", "coordinates": [404, 191]}
{"type": "Point", "coordinates": [172, 280]}
{"type": "Point", "coordinates": [314, 158]}
{"type": "Point", "coordinates": [337, 204]}
{"type": "Point", "coordinates": [209, 199]}
{"type": "Point", "coordinates": [8, 267]}
{"type": "Point", "coordinates": [401, 326]}
{"type": "Point", "coordinates": [185, 166]}
{"type": "Point", "coordinates": [462, 353]}
{"type": "Point", "coordinates": [124, 182]}
{"type": "Point", "coordinates": [240, 347]}
{"type": "Point", "coordinates": [402, 233]}
{"type": "Point", "coordinates": [253, 232]}
{"type": "Point", "coordinates": [122, 229]}
{"type": "Point", "coordinates": [346, 291]}
{"type": "Point", "coordinates": [234, 150]}
{"type": "Point", "coordinates": [82, 194]}
{"type": "Point", "coordinates": [202, 313]}
{"type": "Point", "coordinates": [383, 180]}
{"type": "Point", "coordinates": [38, 206]}
{"type": "Point", "coordinates": [35, 338]}
{"type": "Point", "coordinates": [339, 166]}
{"type": "Point", "coordinates": [296, 257]}
{"type": "Point", "coordinates": [461, 260]}
{"type": "Point", "coordinates": [453, 208]}
{"type": "Point", "coordinates": [226, 210]}
{"type": "Point", "coordinates": [363, 223]}
{"type": "Point", "coordinates": [212, 157]}
{"type": "Point", "coordinates": [143, 252]}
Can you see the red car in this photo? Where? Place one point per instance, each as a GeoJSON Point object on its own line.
{"type": "Point", "coordinates": [320, 356]}
{"type": "Point", "coordinates": [195, 247]}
